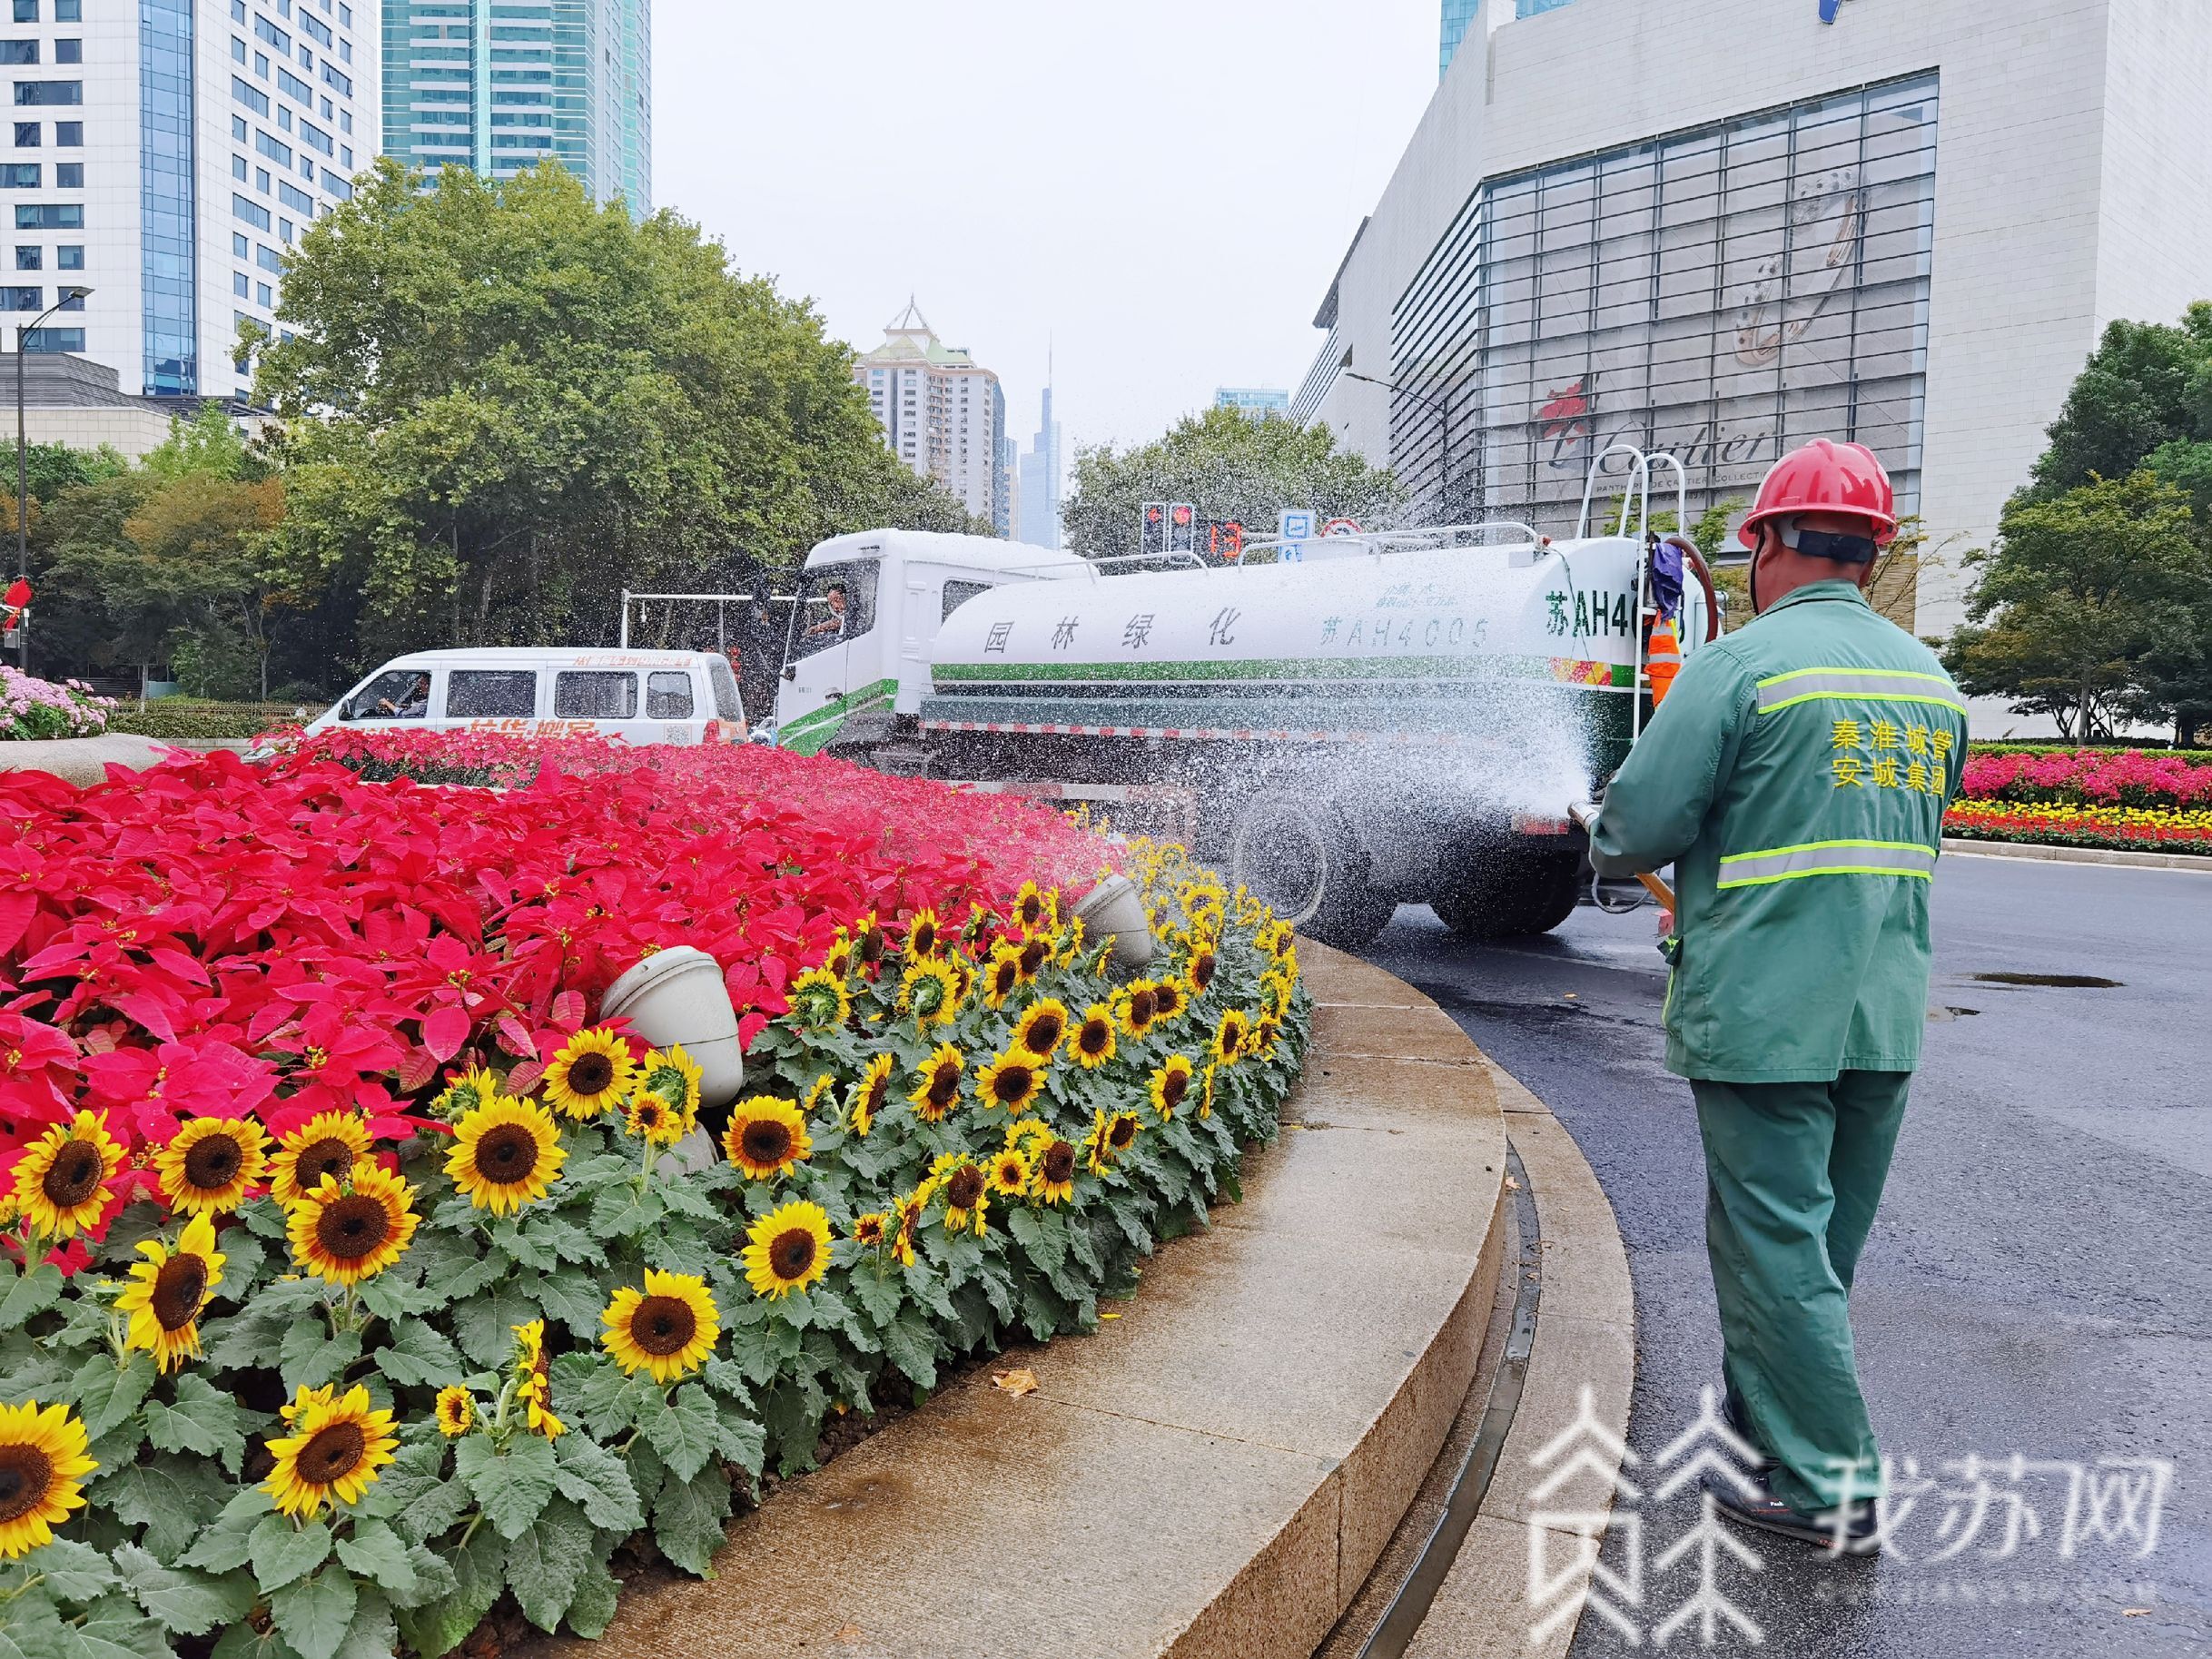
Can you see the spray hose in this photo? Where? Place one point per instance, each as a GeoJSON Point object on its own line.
{"type": "Point", "coordinates": [1584, 814]}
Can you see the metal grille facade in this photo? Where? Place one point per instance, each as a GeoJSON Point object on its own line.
{"type": "Point", "coordinates": [1725, 292]}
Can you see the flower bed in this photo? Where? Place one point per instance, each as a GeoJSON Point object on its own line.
{"type": "Point", "coordinates": [32, 708]}
{"type": "Point", "coordinates": [2070, 778]}
{"type": "Point", "coordinates": [2119, 828]}
{"type": "Point", "coordinates": [350, 1288]}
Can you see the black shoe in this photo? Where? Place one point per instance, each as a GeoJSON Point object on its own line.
{"type": "Point", "coordinates": [1760, 1508]}
{"type": "Point", "coordinates": [1732, 1414]}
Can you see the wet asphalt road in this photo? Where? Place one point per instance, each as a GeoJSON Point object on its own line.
{"type": "Point", "coordinates": [2038, 1282]}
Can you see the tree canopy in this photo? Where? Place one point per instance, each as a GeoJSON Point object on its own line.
{"type": "Point", "coordinates": [1229, 466]}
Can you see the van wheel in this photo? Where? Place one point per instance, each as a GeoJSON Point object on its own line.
{"type": "Point", "coordinates": [1511, 893]}
{"type": "Point", "coordinates": [1300, 857]}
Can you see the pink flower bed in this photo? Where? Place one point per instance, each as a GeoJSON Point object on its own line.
{"type": "Point", "coordinates": [2069, 777]}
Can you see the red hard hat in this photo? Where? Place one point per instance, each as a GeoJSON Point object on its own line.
{"type": "Point", "coordinates": [1825, 477]}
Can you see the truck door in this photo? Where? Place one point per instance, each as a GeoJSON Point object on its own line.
{"type": "Point", "coordinates": [831, 651]}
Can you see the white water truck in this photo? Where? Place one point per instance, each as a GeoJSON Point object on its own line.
{"type": "Point", "coordinates": [1395, 716]}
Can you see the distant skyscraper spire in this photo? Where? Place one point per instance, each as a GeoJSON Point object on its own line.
{"type": "Point", "coordinates": [1039, 495]}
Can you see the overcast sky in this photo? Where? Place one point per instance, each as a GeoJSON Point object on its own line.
{"type": "Point", "coordinates": [1161, 187]}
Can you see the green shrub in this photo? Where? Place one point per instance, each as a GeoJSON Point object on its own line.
{"type": "Point", "coordinates": [176, 718]}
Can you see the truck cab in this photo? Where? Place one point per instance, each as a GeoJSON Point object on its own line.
{"type": "Point", "coordinates": [856, 660]}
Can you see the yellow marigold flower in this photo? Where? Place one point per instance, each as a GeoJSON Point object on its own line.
{"type": "Point", "coordinates": [1170, 1083]}
{"type": "Point", "coordinates": [329, 1143]}
{"type": "Point", "coordinates": [1042, 1026]}
{"type": "Point", "coordinates": [347, 1231]}
{"type": "Point", "coordinates": [506, 1154]}
{"type": "Point", "coordinates": [868, 1093]}
{"type": "Point", "coordinates": [592, 1072]}
{"type": "Point", "coordinates": [456, 1410]}
{"type": "Point", "coordinates": [668, 1329]}
{"type": "Point", "coordinates": [210, 1164]}
{"type": "Point", "coordinates": [930, 991]}
{"type": "Point", "coordinates": [1054, 1170]}
{"type": "Point", "coordinates": [1092, 1043]}
{"type": "Point", "coordinates": [43, 1467]}
{"type": "Point", "coordinates": [788, 1249]}
{"type": "Point", "coordinates": [61, 1182]}
{"type": "Point", "coordinates": [766, 1137]}
{"type": "Point", "coordinates": [1012, 1080]}
{"type": "Point", "coordinates": [819, 999]}
{"type": "Point", "coordinates": [333, 1452]}
{"type": "Point", "coordinates": [938, 1092]}
{"type": "Point", "coordinates": [167, 1293]}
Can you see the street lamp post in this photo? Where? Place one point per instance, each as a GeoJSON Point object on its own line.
{"type": "Point", "coordinates": [23, 472]}
{"type": "Point", "coordinates": [1444, 422]}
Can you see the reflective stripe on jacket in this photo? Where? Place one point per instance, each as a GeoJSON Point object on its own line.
{"type": "Point", "coordinates": [1796, 780]}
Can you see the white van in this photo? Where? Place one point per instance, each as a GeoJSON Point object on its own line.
{"type": "Point", "coordinates": [640, 696]}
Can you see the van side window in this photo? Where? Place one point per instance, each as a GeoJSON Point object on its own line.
{"type": "Point", "coordinates": [957, 594]}
{"type": "Point", "coordinates": [668, 695]}
{"type": "Point", "coordinates": [595, 694]}
{"type": "Point", "coordinates": [485, 694]}
{"type": "Point", "coordinates": [397, 694]}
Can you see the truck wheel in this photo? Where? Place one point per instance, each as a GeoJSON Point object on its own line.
{"type": "Point", "coordinates": [1300, 856]}
{"type": "Point", "coordinates": [1511, 893]}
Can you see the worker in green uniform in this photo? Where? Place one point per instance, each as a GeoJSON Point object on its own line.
{"type": "Point", "coordinates": [1796, 780]}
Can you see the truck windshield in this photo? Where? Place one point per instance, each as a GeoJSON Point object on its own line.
{"type": "Point", "coordinates": [837, 603]}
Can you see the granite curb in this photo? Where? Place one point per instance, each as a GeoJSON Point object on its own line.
{"type": "Point", "coordinates": [1972, 848]}
{"type": "Point", "coordinates": [1216, 1472]}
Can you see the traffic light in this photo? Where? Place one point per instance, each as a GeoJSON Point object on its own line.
{"type": "Point", "coordinates": [1182, 528]}
{"type": "Point", "coordinates": [1155, 527]}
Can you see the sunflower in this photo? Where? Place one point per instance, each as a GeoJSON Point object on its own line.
{"type": "Point", "coordinates": [1094, 1143]}
{"type": "Point", "coordinates": [1139, 1006]}
{"type": "Point", "coordinates": [923, 935]}
{"type": "Point", "coordinates": [455, 1411]}
{"type": "Point", "coordinates": [1038, 911]}
{"type": "Point", "coordinates": [766, 1137]}
{"type": "Point", "coordinates": [1030, 958]}
{"type": "Point", "coordinates": [908, 1214]}
{"type": "Point", "coordinates": [1071, 941]}
{"type": "Point", "coordinates": [668, 1329]}
{"type": "Point", "coordinates": [1200, 971]}
{"type": "Point", "coordinates": [818, 998]}
{"type": "Point", "coordinates": [868, 1091]}
{"type": "Point", "coordinates": [592, 1072]}
{"type": "Point", "coordinates": [966, 1200]}
{"type": "Point", "coordinates": [1092, 1043]}
{"type": "Point", "coordinates": [1168, 999]}
{"type": "Point", "coordinates": [977, 923]}
{"type": "Point", "coordinates": [41, 1463]}
{"type": "Point", "coordinates": [1232, 1037]}
{"type": "Point", "coordinates": [1265, 1030]}
{"type": "Point", "coordinates": [474, 1087]}
{"type": "Point", "coordinates": [1170, 1083]}
{"type": "Point", "coordinates": [533, 1380]}
{"type": "Point", "coordinates": [788, 1249]}
{"type": "Point", "coordinates": [505, 1155]}
{"type": "Point", "coordinates": [1206, 1099]}
{"type": "Point", "coordinates": [672, 1078]}
{"type": "Point", "coordinates": [1002, 975]}
{"type": "Point", "coordinates": [336, 1446]}
{"type": "Point", "coordinates": [1022, 1130]}
{"type": "Point", "coordinates": [868, 940]}
{"type": "Point", "coordinates": [346, 1232]}
{"type": "Point", "coordinates": [818, 1091]}
{"type": "Point", "coordinates": [1054, 1168]}
{"type": "Point", "coordinates": [652, 1120]}
{"type": "Point", "coordinates": [838, 962]}
{"type": "Point", "coordinates": [168, 1291]}
{"type": "Point", "coordinates": [1041, 1027]}
{"type": "Point", "coordinates": [1121, 1133]}
{"type": "Point", "coordinates": [61, 1182]}
{"type": "Point", "coordinates": [1012, 1081]}
{"type": "Point", "coordinates": [930, 991]}
{"type": "Point", "coordinates": [210, 1164]}
{"type": "Point", "coordinates": [870, 1231]}
{"type": "Point", "coordinates": [1009, 1172]}
{"type": "Point", "coordinates": [329, 1143]}
{"type": "Point", "coordinates": [939, 1090]}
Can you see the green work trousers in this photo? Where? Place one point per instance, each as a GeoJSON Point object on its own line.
{"type": "Point", "coordinates": [1793, 1172]}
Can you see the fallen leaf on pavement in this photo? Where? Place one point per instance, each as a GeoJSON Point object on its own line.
{"type": "Point", "coordinates": [1512, 1185]}
{"type": "Point", "coordinates": [851, 1632]}
{"type": "Point", "coordinates": [1017, 1382]}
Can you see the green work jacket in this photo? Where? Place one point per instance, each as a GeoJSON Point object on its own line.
{"type": "Point", "coordinates": [1795, 777]}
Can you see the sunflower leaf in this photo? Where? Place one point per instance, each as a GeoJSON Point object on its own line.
{"type": "Point", "coordinates": [512, 1484]}
{"type": "Point", "coordinates": [544, 1564]}
{"type": "Point", "coordinates": [524, 1246]}
{"type": "Point", "coordinates": [170, 1497]}
{"type": "Point", "coordinates": [589, 1385]}
{"type": "Point", "coordinates": [741, 1440]}
{"type": "Point", "coordinates": [388, 1296]}
{"type": "Point", "coordinates": [911, 1345]}
{"type": "Point", "coordinates": [205, 1419]}
{"type": "Point", "coordinates": [310, 1357]}
{"type": "Point", "coordinates": [624, 1212]}
{"type": "Point", "coordinates": [225, 1544]}
{"type": "Point", "coordinates": [688, 1518]}
{"type": "Point", "coordinates": [31, 1627]}
{"type": "Point", "coordinates": [485, 1323]}
{"type": "Point", "coordinates": [572, 1297]}
{"type": "Point", "coordinates": [417, 1354]}
{"type": "Point", "coordinates": [413, 1494]}
{"type": "Point", "coordinates": [594, 1477]}
{"type": "Point", "coordinates": [372, 1635]}
{"type": "Point", "coordinates": [880, 1295]}
{"type": "Point", "coordinates": [436, 1628]}
{"type": "Point", "coordinates": [187, 1602]}
{"type": "Point", "coordinates": [681, 1428]}
{"type": "Point", "coordinates": [106, 1393]}
{"type": "Point", "coordinates": [114, 1629]}
{"type": "Point", "coordinates": [74, 1571]}
{"type": "Point", "coordinates": [379, 1555]}
{"type": "Point", "coordinates": [315, 1614]}
{"type": "Point", "coordinates": [30, 1294]}
{"type": "Point", "coordinates": [282, 1553]}
{"type": "Point", "coordinates": [592, 1608]}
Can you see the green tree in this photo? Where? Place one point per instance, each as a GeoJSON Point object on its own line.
{"type": "Point", "coordinates": [2077, 593]}
{"type": "Point", "coordinates": [2146, 385]}
{"type": "Point", "coordinates": [503, 402]}
{"type": "Point", "coordinates": [1228, 465]}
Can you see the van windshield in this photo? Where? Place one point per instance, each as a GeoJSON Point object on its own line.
{"type": "Point", "coordinates": [837, 603]}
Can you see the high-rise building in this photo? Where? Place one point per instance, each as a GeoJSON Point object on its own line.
{"type": "Point", "coordinates": [941, 411]}
{"type": "Point", "coordinates": [1459, 17]}
{"type": "Point", "coordinates": [165, 155]}
{"type": "Point", "coordinates": [1010, 459]}
{"type": "Point", "coordinates": [1039, 522]}
{"type": "Point", "coordinates": [498, 85]}
{"type": "Point", "coordinates": [1254, 400]}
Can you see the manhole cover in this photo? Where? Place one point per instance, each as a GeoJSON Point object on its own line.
{"type": "Point", "coordinates": [2057, 981]}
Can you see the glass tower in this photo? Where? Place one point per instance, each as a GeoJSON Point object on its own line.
{"type": "Point", "coordinates": [1459, 17]}
{"type": "Point", "coordinates": [498, 85]}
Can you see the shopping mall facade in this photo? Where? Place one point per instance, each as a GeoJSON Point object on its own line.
{"type": "Point", "coordinates": [1723, 227]}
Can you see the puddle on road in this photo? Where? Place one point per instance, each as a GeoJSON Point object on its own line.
{"type": "Point", "coordinates": [2057, 981]}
